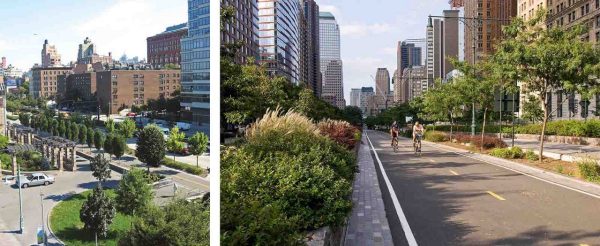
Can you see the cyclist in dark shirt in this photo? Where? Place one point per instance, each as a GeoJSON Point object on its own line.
{"type": "Point", "coordinates": [394, 132]}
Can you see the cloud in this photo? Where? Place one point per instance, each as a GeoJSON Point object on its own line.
{"type": "Point", "coordinates": [124, 27]}
{"type": "Point", "coordinates": [362, 29]}
{"type": "Point", "coordinates": [332, 9]}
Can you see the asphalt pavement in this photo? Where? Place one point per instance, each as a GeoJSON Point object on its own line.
{"type": "Point", "coordinates": [449, 199]}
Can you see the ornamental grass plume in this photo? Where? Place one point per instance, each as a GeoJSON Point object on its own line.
{"type": "Point", "coordinates": [275, 121]}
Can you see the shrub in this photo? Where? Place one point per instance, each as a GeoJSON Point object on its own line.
{"type": "Point", "coordinates": [435, 136]}
{"type": "Point", "coordinates": [182, 166]}
{"type": "Point", "coordinates": [589, 170]}
{"type": "Point", "coordinates": [31, 161]}
{"type": "Point", "coordinates": [489, 142]}
{"type": "Point", "coordinates": [340, 132]}
{"type": "Point", "coordinates": [462, 138]}
{"type": "Point", "coordinates": [530, 155]}
{"type": "Point", "coordinates": [507, 153]}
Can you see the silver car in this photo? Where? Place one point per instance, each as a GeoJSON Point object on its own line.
{"type": "Point", "coordinates": [35, 179]}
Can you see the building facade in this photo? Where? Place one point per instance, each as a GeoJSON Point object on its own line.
{"type": "Point", "coordinates": [382, 82]}
{"type": "Point", "coordinates": [119, 89]}
{"type": "Point", "coordinates": [365, 94]}
{"type": "Point", "coordinates": [330, 59]}
{"type": "Point", "coordinates": [442, 46]}
{"type": "Point", "coordinates": [279, 37]}
{"type": "Point", "coordinates": [355, 97]}
{"type": "Point", "coordinates": [527, 9]}
{"type": "Point", "coordinates": [44, 82]}
{"type": "Point", "coordinates": [165, 48]}
{"type": "Point", "coordinates": [87, 54]}
{"type": "Point", "coordinates": [408, 55]}
{"type": "Point", "coordinates": [416, 81]}
{"type": "Point", "coordinates": [195, 64]}
{"type": "Point", "coordinates": [483, 36]}
{"type": "Point", "coordinates": [243, 28]}
{"type": "Point", "coordinates": [311, 46]}
{"type": "Point", "coordinates": [50, 56]}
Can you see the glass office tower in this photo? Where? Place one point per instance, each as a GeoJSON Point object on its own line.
{"type": "Point", "coordinates": [195, 64]}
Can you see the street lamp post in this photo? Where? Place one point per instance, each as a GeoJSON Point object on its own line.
{"type": "Point", "coordinates": [21, 221]}
{"type": "Point", "coordinates": [43, 224]}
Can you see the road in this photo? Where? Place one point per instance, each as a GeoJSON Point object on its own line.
{"type": "Point", "coordinates": [449, 199]}
{"type": "Point", "coordinates": [67, 184]}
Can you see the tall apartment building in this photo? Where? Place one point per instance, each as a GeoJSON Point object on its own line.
{"type": "Point", "coordinates": [44, 83]}
{"type": "Point", "coordinates": [355, 97]}
{"type": "Point", "coordinates": [195, 64]}
{"type": "Point", "coordinates": [416, 81]}
{"type": "Point", "coordinates": [118, 89]}
{"type": "Point", "coordinates": [442, 45]}
{"type": "Point", "coordinates": [87, 54]}
{"type": "Point", "coordinates": [311, 46]}
{"type": "Point", "coordinates": [279, 23]}
{"type": "Point", "coordinates": [496, 14]}
{"type": "Point", "coordinates": [50, 56]}
{"type": "Point", "coordinates": [243, 28]}
{"type": "Point", "coordinates": [566, 14]}
{"type": "Point", "coordinates": [527, 9]}
{"type": "Point", "coordinates": [330, 59]}
{"type": "Point", "coordinates": [165, 48]}
{"type": "Point", "coordinates": [408, 55]}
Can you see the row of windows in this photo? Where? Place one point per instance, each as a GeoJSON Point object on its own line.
{"type": "Point", "coordinates": [195, 3]}
{"type": "Point", "coordinates": [199, 32]}
{"type": "Point", "coordinates": [195, 43]}
{"type": "Point", "coordinates": [200, 11]}
{"type": "Point", "coordinates": [204, 54]}
{"type": "Point", "coordinates": [205, 21]}
{"type": "Point", "coordinates": [196, 65]}
{"type": "Point", "coordinates": [192, 88]}
{"type": "Point", "coordinates": [190, 77]}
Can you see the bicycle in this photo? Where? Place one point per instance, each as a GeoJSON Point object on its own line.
{"type": "Point", "coordinates": [395, 144]}
{"type": "Point", "coordinates": [417, 144]}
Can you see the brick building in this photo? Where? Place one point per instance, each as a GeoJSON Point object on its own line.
{"type": "Point", "coordinates": [165, 48]}
{"type": "Point", "coordinates": [118, 89]}
{"type": "Point", "coordinates": [45, 81]}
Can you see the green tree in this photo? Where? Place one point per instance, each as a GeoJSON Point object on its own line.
{"type": "Point", "coordinates": [133, 193]}
{"type": "Point", "coordinates": [83, 133]}
{"type": "Point", "coordinates": [110, 126]}
{"type": "Point", "coordinates": [97, 212]}
{"type": "Point", "coordinates": [91, 135]}
{"type": "Point", "coordinates": [171, 225]}
{"type": "Point", "coordinates": [197, 145]}
{"type": "Point", "coordinates": [75, 132]}
{"type": "Point", "coordinates": [98, 139]}
{"type": "Point", "coordinates": [443, 102]}
{"type": "Point", "coordinates": [547, 60]}
{"type": "Point", "coordinates": [108, 144]}
{"type": "Point", "coordinates": [353, 115]}
{"type": "Point", "coordinates": [175, 142]}
{"type": "Point", "coordinates": [532, 111]}
{"type": "Point", "coordinates": [62, 128]}
{"type": "Point", "coordinates": [100, 168]}
{"type": "Point", "coordinates": [151, 146]}
{"type": "Point", "coordinates": [119, 145]}
{"type": "Point", "coordinates": [3, 141]}
{"type": "Point", "coordinates": [68, 129]}
{"type": "Point", "coordinates": [127, 128]}
{"type": "Point", "coordinates": [24, 118]}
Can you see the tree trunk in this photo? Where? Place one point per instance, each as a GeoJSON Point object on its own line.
{"type": "Point", "coordinates": [543, 135]}
{"type": "Point", "coordinates": [483, 128]}
{"type": "Point", "coordinates": [197, 157]}
{"type": "Point", "coordinates": [451, 127]}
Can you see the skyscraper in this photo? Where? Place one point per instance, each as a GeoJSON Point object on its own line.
{"type": "Point", "coordinates": [87, 54]}
{"type": "Point", "coordinates": [331, 63]}
{"type": "Point", "coordinates": [355, 97]}
{"type": "Point", "coordinates": [409, 55]}
{"type": "Point", "coordinates": [442, 45]}
{"type": "Point", "coordinates": [243, 28]}
{"type": "Point", "coordinates": [279, 37]}
{"type": "Point", "coordinates": [498, 13]}
{"type": "Point", "coordinates": [311, 46]}
{"type": "Point", "coordinates": [382, 82]}
{"type": "Point", "coordinates": [50, 57]}
{"type": "Point", "coordinates": [195, 67]}
{"type": "Point", "coordinates": [365, 94]}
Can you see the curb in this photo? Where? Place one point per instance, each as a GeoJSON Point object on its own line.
{"type": "Point", "coordinates": [48, 223]}
{"type": "Point", "coordinates": [567, 182]}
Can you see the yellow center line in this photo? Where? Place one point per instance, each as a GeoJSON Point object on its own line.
{"type": "Point", "coordinates": [496, 196]}
{"type": "Point", "coordinates": [583, 244]}
{"type": "Point", "coordinates": [431, 160]}
{"type": "Point", "coordinates": [453, 172]}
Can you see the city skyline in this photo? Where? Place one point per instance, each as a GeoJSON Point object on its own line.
{"type": "Point", "coordinates": [115, 26]}
{"type": "Point", "coordinates": [370, 34]}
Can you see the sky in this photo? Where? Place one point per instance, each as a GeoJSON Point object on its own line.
{"type": "Point", "coordinates": [117, 26]}
{"type": "Point", "coordinates": [370, 31]}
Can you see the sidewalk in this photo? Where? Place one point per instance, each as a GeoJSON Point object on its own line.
{"type": "Point", "coordinates": [368, 224]}
{"type": "Point", "coordinates": [561, 151]}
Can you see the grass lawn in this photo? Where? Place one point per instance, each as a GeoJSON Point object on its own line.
{"type": "Point", "coordinates": [65, 223]}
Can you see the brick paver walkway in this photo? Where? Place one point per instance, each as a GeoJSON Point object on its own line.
{"type": "Point", "coordinates": [368, 224]}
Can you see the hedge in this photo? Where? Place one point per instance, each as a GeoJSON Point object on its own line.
{"type": "Point", "coordinates": [183, 167]}
{"type": "Point", "coordinates": [568, 128]}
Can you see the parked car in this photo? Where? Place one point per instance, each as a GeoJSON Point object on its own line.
{"type": "Point", "coordinates": [8, 178]}
{"type": "Point", "coordinates": [184, 152]}
{"type": "Point", "coordinates": [183, 126]}
{"type": "Point", "coordinates": [35, 179]}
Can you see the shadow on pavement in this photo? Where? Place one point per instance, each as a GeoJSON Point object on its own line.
{"type": "Point", "coordinates": [60, 197]}
{"type": "Point", "coordinates": [93, 184]}
{"type": "Point", "coordinates": [541, 234]}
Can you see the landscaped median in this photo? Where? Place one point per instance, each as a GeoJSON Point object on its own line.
{"type": "Point", "coordinates": [287, 177]}
{"type": "Point", "coordinates": [584, 169]}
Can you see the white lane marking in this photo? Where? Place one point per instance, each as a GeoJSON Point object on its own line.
{"type": "Point", "coordinates": [526, 174]}
{"type": "Point", "coordinates": [405, 227]}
